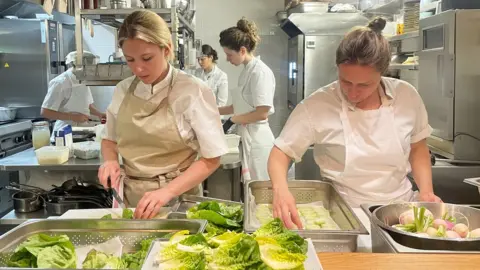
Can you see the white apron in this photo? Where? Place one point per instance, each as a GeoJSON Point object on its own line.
{"type": "Point", "coordinates": [375, 164]}
{"type": "Point", "coordinates": [257, 138]}
{"type": "Point", "coordinates": [152, 155]}
{"type": "Point", "coordinates": [79, 102]}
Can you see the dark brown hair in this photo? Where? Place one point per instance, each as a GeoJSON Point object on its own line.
{"type": "Point", "coordinates": [245, 34]}
{"type": "Point", "coordinates": [209, 51]}
{"type": "Point", "coordinates": [366, 46]}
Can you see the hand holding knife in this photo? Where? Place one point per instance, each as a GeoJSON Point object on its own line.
{"type": "Point", "coordinates": [115, 194]}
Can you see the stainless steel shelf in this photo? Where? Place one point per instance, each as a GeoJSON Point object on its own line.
{"type": "Point", "coordinates": [403, 66]}
{"type": "Point", "coordinates": [114, 17]}
{"type": "Point", "coordinates": [118, 13]}
{"type": "Point", "coordinates": [391, 7]}
{"type": "Point", "coordinates": [404, 36]}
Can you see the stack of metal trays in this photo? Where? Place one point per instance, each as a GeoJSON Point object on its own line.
{"type": "Point", "coordinates": [186, 202]}
{"type": "Point", "coordinates": [96, 231]}
{"type": "Point", "coordinates": [343, 240]}
{"type": "Point", "coordinates": [411, 17]}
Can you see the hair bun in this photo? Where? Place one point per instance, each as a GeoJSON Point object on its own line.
{"type": "Point", "coordinates": [377, 25]}
{"type": "Point", "coordinates": [246, 26]}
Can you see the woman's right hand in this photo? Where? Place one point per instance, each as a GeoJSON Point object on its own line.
{"type": "Point", "coordinates": [110, 168]}
{"type": "Point", "coordinates": [284, 207]}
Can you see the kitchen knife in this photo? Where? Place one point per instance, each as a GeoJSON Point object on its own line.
{"type": "Point", "coordinates": [115, 194]}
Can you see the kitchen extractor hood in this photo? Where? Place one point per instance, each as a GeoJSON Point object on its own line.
{"type": "Point", "coordinates": [316, 23]}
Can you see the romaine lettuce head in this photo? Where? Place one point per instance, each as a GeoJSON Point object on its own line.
{"type": "Point", "coordinates": [241, 250]}
{"type": "Point", "coordinates": [45, 250]}
{"type": "Point", "coordinates": [287, 239]}
{"type": "Point", "coordinates": [186, 261]}
{"type": "Point", "coordinates": [99, 260]}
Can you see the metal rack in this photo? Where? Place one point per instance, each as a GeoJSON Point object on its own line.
{"type": "Point", "coordinates": [109, 74]}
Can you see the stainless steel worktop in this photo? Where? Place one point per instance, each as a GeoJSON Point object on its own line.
{"type": "Point", "coordinates": [27, 160]}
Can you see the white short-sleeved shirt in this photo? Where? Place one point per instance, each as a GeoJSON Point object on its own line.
{"type": "Point", "coordinates": [217, 80]}
{"type": "Point", "coordinates": [59, 95]}
{"type": "Point", "coordinates": [259, 82]}
{"type": "Point", "coordinates": [193, 105]}
{"type": "Point", "coordinates": [60, 91]}
{"type": "Point", "coordinates": [316, 121]}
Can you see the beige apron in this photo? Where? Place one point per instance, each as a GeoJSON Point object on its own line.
{"type": "Point", "coordinates": [150, 144]}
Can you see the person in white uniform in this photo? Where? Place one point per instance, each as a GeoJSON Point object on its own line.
{"type": "Point", "coordinates": [369, 131]}
{"type": "Point", "coordinates": [67, 101]}
{"type": "Point", "coordinates": [158, 121]}
{"type": "Point", "coordinates": [252, 100]}
{"type": "Point", "coordinates": [212, 75]}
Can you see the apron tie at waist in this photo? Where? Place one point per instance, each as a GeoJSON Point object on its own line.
{"type": "Point", "coordinates": [161, 178]}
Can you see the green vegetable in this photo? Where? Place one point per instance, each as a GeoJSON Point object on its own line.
{"type": "Point", "coordinates": [97, 260]}
{"type": "Point", "coordinates": [271, 247]}
{"type": "Point", "coordinates": [127, 213]}
{"type": "Point", "coordinates": [109, 216]}
{"type": "Point", "coordinates": [186, 261]}
{"type": "Point", "coordinates": [285, 238]}
{"type": "Point", "coordinates": [447, 217]}
{"type": "Point", "coordinates": [44, 251]}
{"type": "Point", "coordinates": [420, 223]}
{"type": "Point", "coordinates": [135, 260]}
{"type": "Point", "coordinates": [237, 254]}
{"type": "Point", "coordinates": [221, 217]}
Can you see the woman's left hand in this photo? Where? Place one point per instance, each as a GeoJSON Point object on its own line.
{"type": "Point", "coordinates": [151, 203]}
{"type": "Point", "coordinates": [429, 197]}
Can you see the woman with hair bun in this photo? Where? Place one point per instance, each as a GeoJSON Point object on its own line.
{"type": "Point", "coordinates": [215, 78]}
{"type": "Point", "coordinates": [369, 131]}
{"type": "Point", "coordinates": [252, 100]}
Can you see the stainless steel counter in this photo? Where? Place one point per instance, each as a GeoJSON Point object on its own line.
{"type": "Point", "coordinates": [27, 160]}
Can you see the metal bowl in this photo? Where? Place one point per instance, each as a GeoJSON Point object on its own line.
{"type": "Point", "coordinates": [386, 216]}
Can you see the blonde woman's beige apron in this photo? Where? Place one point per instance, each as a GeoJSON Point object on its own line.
{"type": "Point", "coordinates": [150, 144]}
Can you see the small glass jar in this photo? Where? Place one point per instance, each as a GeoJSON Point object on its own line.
{"type": "Point", "coordinates": [40, 134]}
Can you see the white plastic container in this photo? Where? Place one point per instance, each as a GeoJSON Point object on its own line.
{"type": "Point", "coordinates": [233, 141]}
{"type": "Point", "coordinates": [52, 155]}
{"type": "Point", "coordinates": [86, 150]}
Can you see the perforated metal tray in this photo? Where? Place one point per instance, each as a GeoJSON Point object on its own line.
{"type": "Point", "coordinates": [343, 240]}
{"type": "Point", "coordinates": [96, 231]}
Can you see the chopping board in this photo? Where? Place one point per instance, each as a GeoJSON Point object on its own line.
{"type": "Point", "coordinates": [99, 213]}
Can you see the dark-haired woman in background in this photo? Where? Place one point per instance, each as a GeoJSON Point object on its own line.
{"type": "Point", "coordinates": [369, 131]}
{"type": "Point", "coordinates": [214, 77]}
{"type": "Point", "coordinates": [252, 100]}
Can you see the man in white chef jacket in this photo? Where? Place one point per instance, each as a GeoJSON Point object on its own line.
{"type": "Point", "coordinates": [67, 101]}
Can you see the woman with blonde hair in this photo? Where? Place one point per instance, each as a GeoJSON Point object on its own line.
{"type": "Point", "coordinates": [158, 120]}
{"type": "Point", "coordinates": [369, 131]}
{"type": "Point", "coordinates": [252, 100]}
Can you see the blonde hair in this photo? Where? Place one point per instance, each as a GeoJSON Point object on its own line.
{"type": "Point", "coordinates": [149, 27]}
{"type": "Point", "coordinates": [245, 34]}
{"type": "Point", "coordinates": [366, 46]}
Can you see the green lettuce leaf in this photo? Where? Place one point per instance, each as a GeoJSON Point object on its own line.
{"type": "Point", "coordinates": [127, 213]}
{"type": "Point", "coordinates": [99, 260]}
{"type": "Point", "coordinates": [41, 250]}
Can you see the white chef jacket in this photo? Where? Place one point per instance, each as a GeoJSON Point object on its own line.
{"type": "Point", "coordinates": [258, 83]}
{"type": "Point", "coordinates": [316, 120]}
{"type": "Point", "coordinates": [60, 91]}
{"type": "Point", "coordinates": [193, 105]}
{"type": "Point", "coordinates": [217, 80]}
